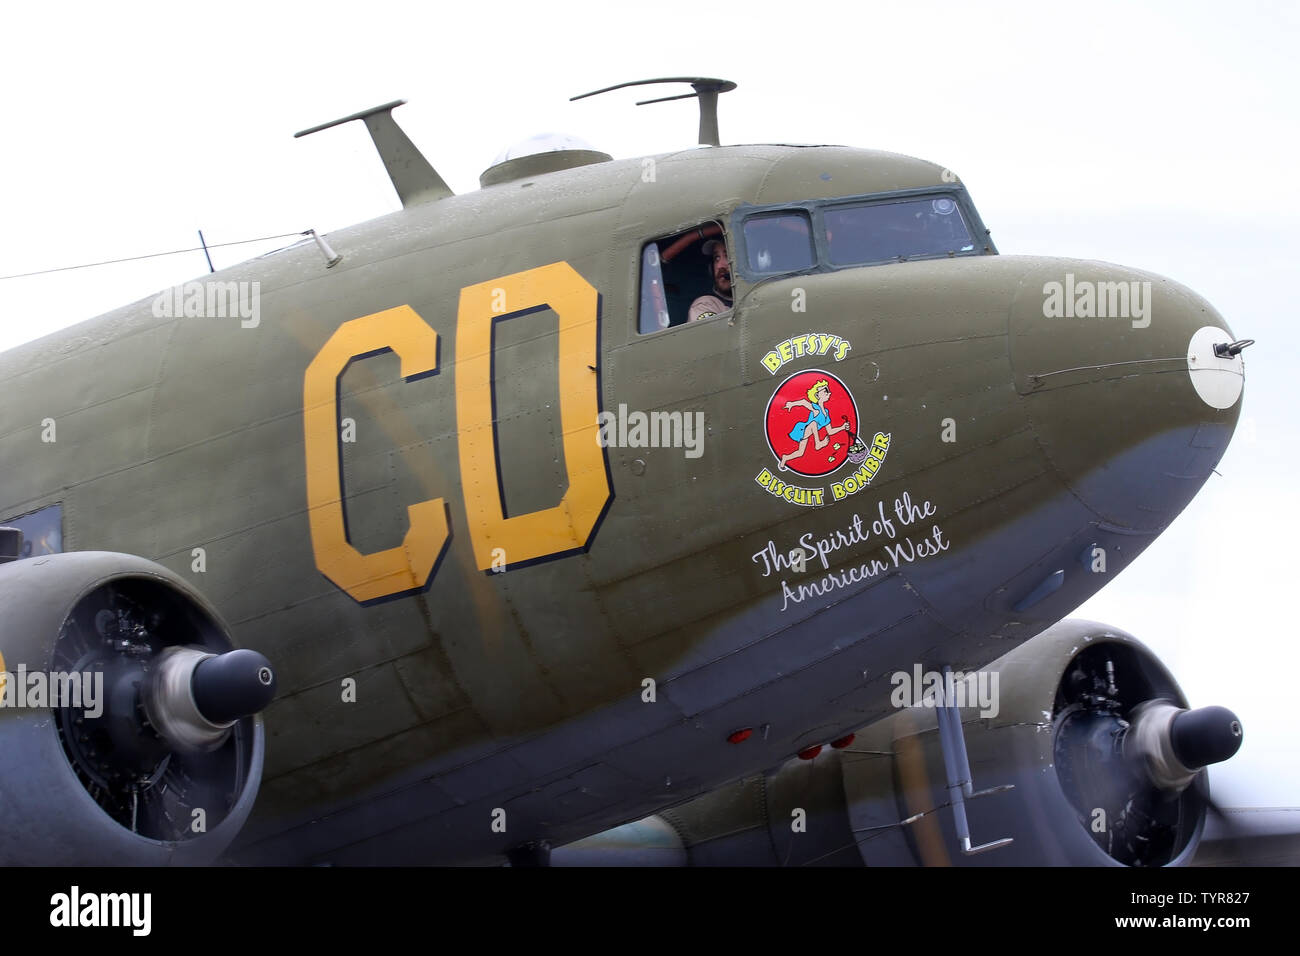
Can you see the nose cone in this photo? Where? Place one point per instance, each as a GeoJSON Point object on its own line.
{"type": "Point", "coordinates": [1127, 397]}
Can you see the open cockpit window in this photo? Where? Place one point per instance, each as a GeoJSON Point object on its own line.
{"type": "Point", "coordinates": [685, 277]}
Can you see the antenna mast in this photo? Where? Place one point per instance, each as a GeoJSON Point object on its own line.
{"type": "Point", "coordinates": [706, 91]}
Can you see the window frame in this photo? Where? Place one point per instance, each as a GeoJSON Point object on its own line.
{"type": "Point", "coordinates": [815, 208]}
{"type": "Point", "coordinates": [728, 240]}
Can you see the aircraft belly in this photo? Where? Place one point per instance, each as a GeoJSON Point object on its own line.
{"type": "Point", "coordinates": [809, 682]}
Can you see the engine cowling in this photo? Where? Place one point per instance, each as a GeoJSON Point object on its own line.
{"type": "Point", "coordinates": [1081, 735]}
{"type": "Point", "coordinates": [128, 734]}
{"type": "Point", "coordinates": [1090, 753]}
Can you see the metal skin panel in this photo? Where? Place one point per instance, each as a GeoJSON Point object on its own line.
{"type": "Point", "coordinates": [482, 687]}
{"type": "Point", "coordinates": [1080, 378]}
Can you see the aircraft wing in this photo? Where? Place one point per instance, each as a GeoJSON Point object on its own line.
{"type": "Point", "coordinates": [1251, 836]}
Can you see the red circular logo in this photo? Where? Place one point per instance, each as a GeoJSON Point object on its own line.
{"type": "Point", "coordinates": [812, 423]}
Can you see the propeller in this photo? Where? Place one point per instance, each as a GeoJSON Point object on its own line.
{"type": "Point", "coordinates": [1130, 758]}
{"type": "Point", "coordinates": [164, 736]}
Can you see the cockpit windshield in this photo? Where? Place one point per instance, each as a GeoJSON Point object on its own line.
{"type": "Point", "coordinates": [686, 276]}
{"type": "Point", "coordinates": [779, 242]}
{"type": "Point", "coordinates": [896, 230]}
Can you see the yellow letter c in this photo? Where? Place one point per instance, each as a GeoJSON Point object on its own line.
{"type": "Point", "coordinates": [407, 567]}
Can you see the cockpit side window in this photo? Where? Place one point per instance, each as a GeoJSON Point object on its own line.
{"type": "Point", "coordinates": [42, 530]}
{"type": "Point", "coordinates": [779, 242]}
{"type": "Point", "coordinates": [654, 314]}
{"type": "Point", "coordinates": [685, 277]}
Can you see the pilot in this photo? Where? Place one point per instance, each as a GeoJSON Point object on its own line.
{"type": "Point", "coordinates": [720, 271]}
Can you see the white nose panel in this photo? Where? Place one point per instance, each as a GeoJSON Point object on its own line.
{"type": "Point", "coordinates": [1217, 380]}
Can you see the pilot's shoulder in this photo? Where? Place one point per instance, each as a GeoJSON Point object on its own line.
{"type": "Point", "coordinates": [706, 306]}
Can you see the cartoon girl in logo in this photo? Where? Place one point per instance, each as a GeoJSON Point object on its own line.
{"type": "Point", "coordinates": [818, 419]}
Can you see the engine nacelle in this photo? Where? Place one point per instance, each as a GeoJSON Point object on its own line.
{"type": "Point", "coordinates": [128, 731]}
{"type": "Point", "coordinates": [1088, 750]}
{"type": "Point", "coordinates": [1071, 736]}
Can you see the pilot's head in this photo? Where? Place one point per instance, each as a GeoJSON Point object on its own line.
{"type": "Point", "coordinates": [719, 266]}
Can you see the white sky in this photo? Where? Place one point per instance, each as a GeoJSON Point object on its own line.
{"type": "Point", "coordinates": [1160, 136]}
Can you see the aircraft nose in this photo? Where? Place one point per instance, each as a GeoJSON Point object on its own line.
{"type": "Point", "coordinates": [1132, 383]}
